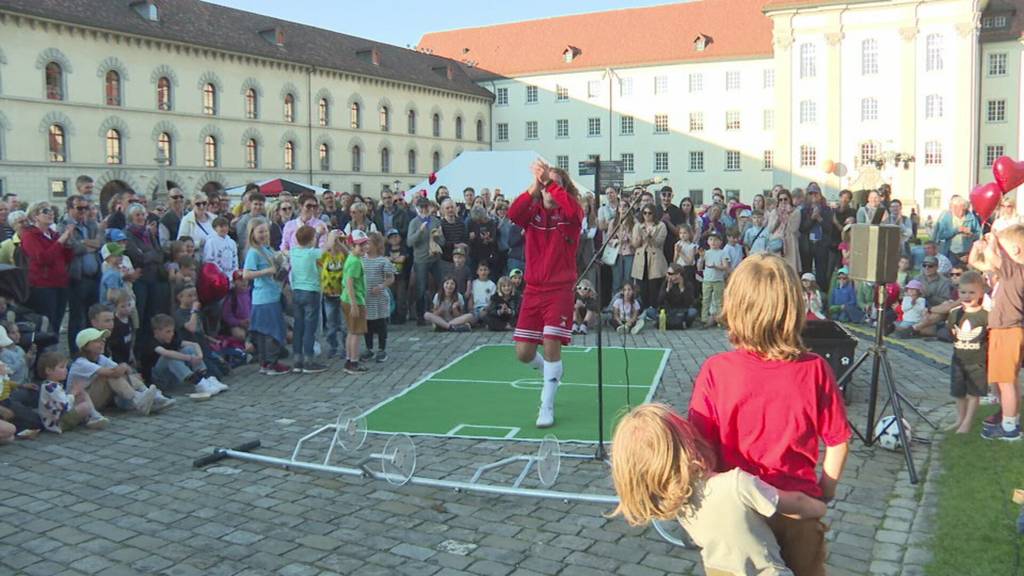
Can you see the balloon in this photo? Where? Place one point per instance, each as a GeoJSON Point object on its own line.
{"type": "Point", "coordinates": [1008, 174]}
{"type": "Point", "coordinates": [828, 166]}
{"type": "Point", "coordinates": [432, 178]}
{"type": "Point", "coordinates": [985, 198]}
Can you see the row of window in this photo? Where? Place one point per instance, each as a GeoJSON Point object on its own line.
{"type": "Point", "coordinates": [58, 152]}
{"type": "Point", "coordinates": [251, 99]}
{"type": "Point", "coordinates": [869, 61]}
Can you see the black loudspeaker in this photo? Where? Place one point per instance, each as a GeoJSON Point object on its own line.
{"type": "Point", "coordinates": [874, 252]}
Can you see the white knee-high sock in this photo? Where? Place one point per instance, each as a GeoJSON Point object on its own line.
{"type": "Point", "coordinates": [552, 376]}
{"type": "Point", "coordinates": [538, 362]}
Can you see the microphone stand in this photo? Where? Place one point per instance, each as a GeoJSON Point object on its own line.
{"type": "Point", "coordinates": [601, 453]}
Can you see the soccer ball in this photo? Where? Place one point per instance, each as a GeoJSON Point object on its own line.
{"type": "Point", "coordinates": [887, 433]}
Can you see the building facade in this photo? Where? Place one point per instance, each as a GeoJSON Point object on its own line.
{"type": "Point", "coordinates": [116, 88]}
{"type": "Point", "coordinates": [744, 94]}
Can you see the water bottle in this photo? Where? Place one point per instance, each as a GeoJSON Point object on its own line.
{"type": "Point", "coordinates": [662, 320]}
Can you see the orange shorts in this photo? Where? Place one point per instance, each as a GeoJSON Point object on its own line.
{"type": "Point", "coordinates": [1005, 350]}
{"type": "Point", "coordinates": [355, 325]}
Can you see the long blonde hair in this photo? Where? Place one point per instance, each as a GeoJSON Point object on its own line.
{"type": "Point", "coordinates": [657, 458]}
{"type": "Point", "coordinates": [764, 308]}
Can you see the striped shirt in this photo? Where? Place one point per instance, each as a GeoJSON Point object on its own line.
{"type": "Point", "coordinates": [377, 305]}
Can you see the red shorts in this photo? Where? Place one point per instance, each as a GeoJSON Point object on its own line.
{"type": "Point", "coordinates": [545, 314]}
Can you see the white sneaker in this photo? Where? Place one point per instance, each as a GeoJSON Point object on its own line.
{"type": "Point", "coordinates": [204, 386]}
{"type": "Point", "coordinates": [161, 402]}
{"type": "Point", "coordinates": [144, 400]}
{"type": "Point", "coordinates": [638, 326]}
{"type": "Point", "coordinates": [546, 416]}
{"type": "Point", "coordinates": [220, 385]}
{"type": "Point", "coordinates": [97, 422]}
{"type": "Point", "coordinates": [583, 329]}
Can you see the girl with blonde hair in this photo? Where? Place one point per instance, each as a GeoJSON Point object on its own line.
{"type": "Point", "coordinates": [766, 406]}
{"type": "Point", "coordinates": [663, 469]}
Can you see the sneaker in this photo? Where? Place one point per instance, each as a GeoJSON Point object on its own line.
{"type": "Point", "coordinates": [461, 328]}
{"type": "Point", "coordinates": [381, 356]}
{"type": "Point", "coordinates": [220, 385]}
{"type": "Point", "coordinates": [366, 355]}
{"type": "Point", "coordinates": [621, 329]}
{"type": "Point", "coordinates": [161, 402]}
{"type": "Point", "coordinates": [993, 421]}
{"type": "Point", "coordinates": [275, 369]}
{"type": "Point", "coordinates": [205, 386]}
{"type": "Point", "coordinates": [313, 368]}
{"type": "Point", "coordinates": [638, 326]}
{"type": "Point", "coordinates": [989, 400]}
{"type": "Point", "coordinates": [575, 328]}
{"type": "Point", "coordinates": [546, 417]}
{"type": "Point", "coordinates": [353, 368]}
{"type": "Point", "coordinates": [583, 329]}
{"type": "Point", "coordinates": [999, 433]}
{"type": "Point", "coordinates": [297, 367]}
{"type": "Point", "coordinates": [97, 422]}
{"type": "Point", "coordinates": [144, 400]}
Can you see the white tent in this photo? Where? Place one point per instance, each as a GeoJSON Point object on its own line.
{"type": "Point", "coordinates": [507, 170]}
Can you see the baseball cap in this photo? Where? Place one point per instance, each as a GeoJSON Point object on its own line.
{"type": "Point", "coordinates": [459, 250]}
{"type": "Point", "coordinates": [515, 272]}
{"type": "Point", "coordinates": [808, 276]}
{"type": "Point", "coordinates": [112, 249]}
{"type": "Point", "coordinates": [392, 232]}
{"type": "Point", "coordinates": [358, 237]}
{"type": "Point", "coordinates": [90, 335]}
{"type": "Point", "coordinates": [915, 284]}
{"type": "Point", "coordinates": [844, 271]}
{"type": "Point", "coordinates": [930, 260]}
{"type": "Point", "coordinates": [116, 235]}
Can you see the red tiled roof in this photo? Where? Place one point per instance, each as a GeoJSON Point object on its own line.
{"type": "Point", "coordinates": [1014, 12]}
{"type": "Point", "coordinates": [634, 36]}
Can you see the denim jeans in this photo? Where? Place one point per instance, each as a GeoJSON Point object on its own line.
{"type": "Point", "coordinates": [50, 303]}
{"type": "Point", "coordinates": [621, 272]}
{"type": "Point", "coordinates": [82, 294]}
{"type": "Point", "coordinates": [306, 306]}
{"type": "Point", "coordinates": [145, 303]}
{"type": "Point", "coordinates": [169, 372]}
{"type": "Point", "coordinates": [336, 332]}
{"type": "Point", "coordinates": [422, 269]}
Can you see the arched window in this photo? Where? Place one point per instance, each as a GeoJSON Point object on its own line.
{"type": "Point", "coordinates": [113, 147]}
{"type": "Point", "coordinates": [437, 125]}
{"type": "Point", "coordinates": [163, 93]}
{"type": "Point", "coordinates": [357, 159]}
{"type": "Point", "coordinates": [385, 160]}
{"type": "Point", "coordinates": [324, 112]}
{"type": "Point", "coordinates": [164, 148]}
{"type": "Point", "coordinates": [54, 81]}
{"type": "Point", "coordinates": [58, 145]}
{"type": "Point", "coordinates": [458, 127]}
{"type": "Point", "coordinates": [479, 130]}
{"type": "Point", "coordinates": [412, 121]}
{"type": "Point", "coordinates": [355, 116]}
{"type": "Point", "coordinates": [289, 155]}
{"type": "Point", "coordinates": [412, 161]}
{"type": "Point", "coordinates": [252, 154]}
{"type": "Point", "coordinates": [289, 108]}
{"type": "Point", "coordinates": [385, 119]}
{"type": "Point", "coordinates": [209, 99]}
{"type": "Point", "coordinates": [113, 88]}
{"type": "Point", "coordinates": [436, 161]}
{"type": "Point", "coordinates": [210, 151]}
{"type": "Point", "coordinates": [251, 104]}
{"type": "Point", "coordinates": [325, 157]}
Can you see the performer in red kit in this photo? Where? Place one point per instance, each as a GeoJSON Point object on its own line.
{"type": "Point", "coordinates": [551, 217]}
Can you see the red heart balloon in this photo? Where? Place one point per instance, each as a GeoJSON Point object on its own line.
{"type": "Point", "coordinates": [985, 198]}
{"type": "Point", "coordinates": [1008, 174]}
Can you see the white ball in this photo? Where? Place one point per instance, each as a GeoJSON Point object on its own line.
{"type": "Point", "coordinates": [887, 433]}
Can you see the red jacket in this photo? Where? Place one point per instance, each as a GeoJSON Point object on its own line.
{"type": "Point", "coordinates": [552, 237]}
{"type": "Point", "coordinates": [48, 260]}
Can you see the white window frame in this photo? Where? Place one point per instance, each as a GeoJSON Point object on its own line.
{"type": "Point", "coordinates": [933, 153]}
{"type": "Point", "coordinates": [808, 112]}
{"type": "Point", "coordinates": [934, 107]}
{"type": "Point", "coordinates": [562, 161]}
{"type": "Point", "coordinates": [661, 124]}
{"type": "Point", "coordinates": [808, 61]}
{"type": "Point", "coordinates": [696, 82]}
{"type": "Point", "coordinates": [532, 130]}
{"type": "Point", "coordinates": [501, 132]}
{"type": "Point", "coordinates": [562, 128]}
{"type": "Point", "coordinates": [626, 86]}
{"type": "Point", "coordinates": [995, 111]}
{"type": "Point", "coordinates": [732, 80]}
{"type": "Point", "coordinates": [768, 120]}
{"type": "Point", "coordinates": [696, 161]}
{"type": "Point", "coordinates": [808, 156]}
{"type": "Point", "coordinates": [696, 123]}
{"type": "Point", "coordinates": [531, 94]}
{"type": "Point", "coordinates": [593, 88]}
{"type": "Point", "coordinates": [768, 78]}
{"type": "Point", "coordinates": [659, 159]}
{"type": "Point", "coordinates": [625, 122]}
{"type": "Point", "coordinates": [868, 109]}
{"type": "Point", "coordinates": [768, 160]}
{"type": "Point", "coordinates": [592, 123]}
{"type": "Point", "coordinates": [869, 57]}
{"type": "Point", "coordinates": [997, 63]}
{"type": "Point", "coordinates": [501, 96]}
{"type": "Point", "coordinates": [628, 162]}
{"type": "Point", "coordinates": [661, 85]}
{"type": "Point", "coordinates": [561, 93]}
{"type": "Point", "coordinates": [934, 53]}
{"type": "Point", "coordinates": [992, 152]}
{"type": "Point", "coordinates": [732, 161]}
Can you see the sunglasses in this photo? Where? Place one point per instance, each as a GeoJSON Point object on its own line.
{"type": "Point", "coordinates": [46, 210]}
{"type": "Point", "coordinates": [200, 203]}
{"type": "Point", "coordinates": [956, 274]}
{"type": "Point", "coordinates": [311, 206]}
{"type": "Point", "coordinates": [177, 197]}
{"type": "Point", "coordinates": [81, 208]}
{"type": "Point", "coordinates": [286, 208]}
{"type": "Point", "coordinates": [929, 265]}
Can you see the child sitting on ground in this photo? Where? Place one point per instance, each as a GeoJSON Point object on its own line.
{"type": "Point", "coordinates": [105, 380]}
{"type": "Point", "coordinates": [626, 311]}
{"type": "Point", "coordinates": [504, 307]}
{"type": "Point", "coordinates": [175, 361]}
{"type": "Point", "coordinates": [19, 403]}
{"type": "Point", "coordinates": [585, 310]}
{"type": "Point", "coordinates": [447, 312]}
{"type": "Point", "coordinates": [663, 469]}
{"type": "Point", "coordinates": [842, 301]}
{"type": "Point", "coordinates": [969, 326]}
{"type": "Point", "coordinates": [914, 305]}
{"type": "Point", "coordinates": [812, 297]}
{"type": "Point", "coordinates": [677, 300]}
{"type": "Point", "coordinates": [189, 324]}
{"type": "Point", "coordinates": [12, 354]}
{"type": "Point", "coordinates": [480, 290]}
{"type": "Point", "coordinates": [237, 312]}
{"type": "Point", "coordinates": [765, 406]}
{"type": "Point", "coordinates": [60, 411]}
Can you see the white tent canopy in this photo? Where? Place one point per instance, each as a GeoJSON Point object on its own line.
{"type": "Point", "coordinates": [507, 170]}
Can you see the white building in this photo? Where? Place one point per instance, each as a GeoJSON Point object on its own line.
{"type": "Point", "coordinates": [104, 88]}
{"type": "Point", "coordinates": [743, 94]}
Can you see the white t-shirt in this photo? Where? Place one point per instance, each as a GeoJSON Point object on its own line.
{"type": "Point", "coordinates": [626, 311]}
{"type": "Point", "coordinates": [83, 370]}
{"type": "Point", "coordinates": [482, 291]}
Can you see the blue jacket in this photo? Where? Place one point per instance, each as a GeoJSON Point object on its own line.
{"type": "Point", "coordinates": [946, 236]}
{"type": "Point", "coordinates": [843, 295]}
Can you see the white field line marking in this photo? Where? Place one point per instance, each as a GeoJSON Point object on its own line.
{"type": "Point", "coordinates": [512, 430]}
{"type": "Point", "coordinates": [528, 384]}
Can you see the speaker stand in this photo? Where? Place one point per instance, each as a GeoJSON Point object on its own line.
{"type": "Point", "coordinates": [880, 366]}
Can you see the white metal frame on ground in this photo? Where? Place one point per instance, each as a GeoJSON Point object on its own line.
{"type": "Point", "coordinates": [569, 349]}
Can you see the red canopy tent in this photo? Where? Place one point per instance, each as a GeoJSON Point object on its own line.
{"type": "Point", "coordinates": [274, 186]}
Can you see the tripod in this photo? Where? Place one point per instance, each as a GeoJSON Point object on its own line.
{"type": "Point", "coordinates": [880, 360]}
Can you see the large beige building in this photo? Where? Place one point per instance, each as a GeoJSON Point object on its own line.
{"type": "Point", "coordinates": [744, 94]}
{"type": "Point", "coordinates": [110, 88]}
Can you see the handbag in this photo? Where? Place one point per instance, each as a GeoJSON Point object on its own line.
{"type": "Point", "coordinates": [610, 252]}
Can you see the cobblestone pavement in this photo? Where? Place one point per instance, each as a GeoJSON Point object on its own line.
{"type": "Point", "coordinates": [127, 501]}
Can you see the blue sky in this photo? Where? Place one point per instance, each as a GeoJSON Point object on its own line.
{"type": "Point", "coordinates": [402, 22]}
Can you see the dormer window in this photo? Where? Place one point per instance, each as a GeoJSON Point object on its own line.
{"type": "Point", "coordinates": [273, 35]}
{"type": "Point", "coordinates": [994, 22]}
{"type": "Point", "coordinates": [446, 72]}
{"type": "Point", "coordinates": [371, 55]}
{"type": "Point", "coordinates": [701, 42]}
{"type": "Point", "coordinates": [146, 9]}
{"type": "Point", "coordinates": [570, 53]}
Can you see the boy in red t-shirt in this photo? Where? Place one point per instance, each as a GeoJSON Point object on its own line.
{"type": "Point", "coordinates": [765, 405]}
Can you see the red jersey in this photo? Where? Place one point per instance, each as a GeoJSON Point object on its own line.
{"type": "Point", "coordinates": [766, 417]}
{"type": "Point", "coordinates": [551, 236]}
